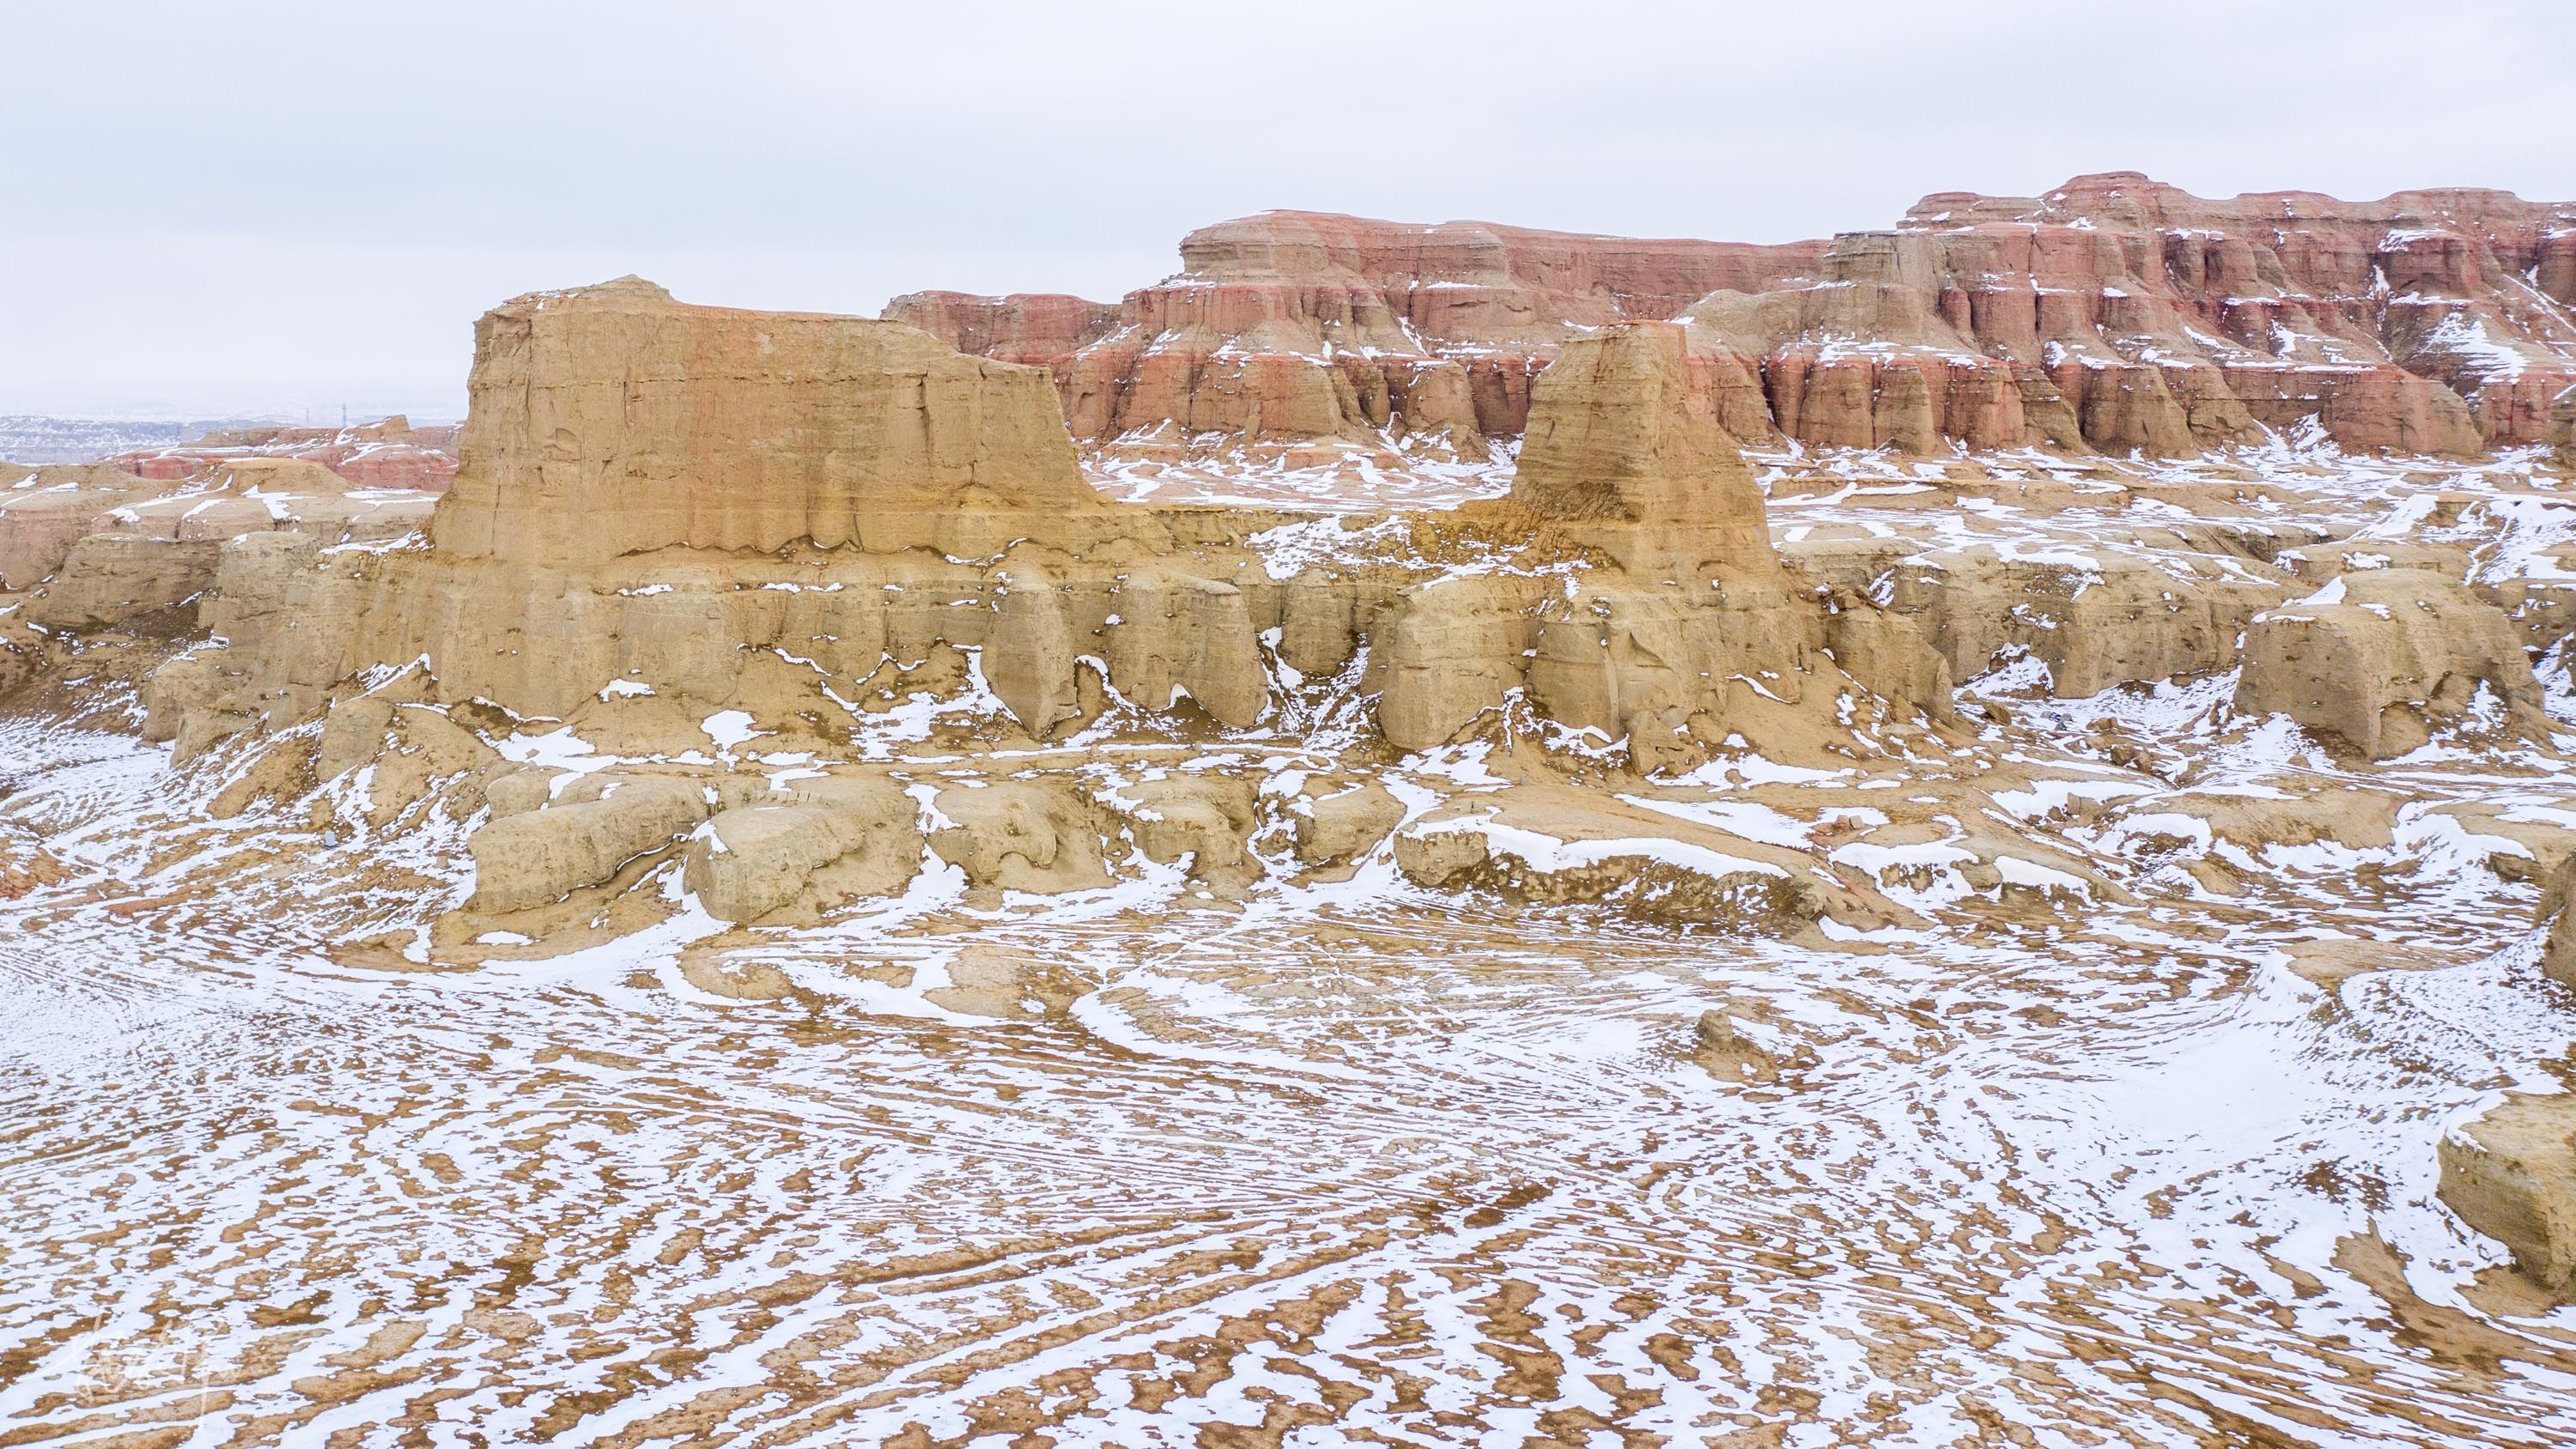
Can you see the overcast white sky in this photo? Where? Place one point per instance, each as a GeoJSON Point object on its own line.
{"type": "Point", "coordinates": [269, 207]}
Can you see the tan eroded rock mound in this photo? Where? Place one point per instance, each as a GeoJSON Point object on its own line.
{"type": "Point", "coordinates": [821, 845]}
{"type": "Point", "coordinates": [2381, 657]}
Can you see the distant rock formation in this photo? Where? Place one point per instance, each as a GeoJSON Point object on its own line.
{"type": "Point", "coordinates": [2151, 319]}
{"type": "Point", "coordinates": [2114, 314]}
{"type": "Point", "coordinates": [1293, 327]}
{"type": "Point", "coordinates": [390, 453]}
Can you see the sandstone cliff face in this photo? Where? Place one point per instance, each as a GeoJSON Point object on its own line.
{"type": "Point", "coordinates": [2115, 314]}
{"type": "Point", "coordinates": [602, 424]}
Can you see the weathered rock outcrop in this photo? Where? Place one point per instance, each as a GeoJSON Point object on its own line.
{"type": "Point", "coordinates": [106, 548]}
{"type": "Point", "coordinates": [594, 827]}
{"type": "Point", "coordinates": [2381, 657]}
{"type": "Point", "coordinates": [50, 509]}
{"type": "Point", "coordinates": [1625, 465]}
{"type": "Point", "coordinates": [747, 510]}
{"type": "Point", "coordinates": [1025, 836]}
{"type": "Point", "coordinates": [804, 850]}
{"type": "Point", "coordinates": [1340, 822]}
{"type": "Point", "coordinates": [669, 516]}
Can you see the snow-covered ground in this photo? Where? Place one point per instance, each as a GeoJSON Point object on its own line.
{"type": "Point", "coordinates": [1350, 1157]}
{"type": "Point", "coordinates": [1339, 1161]}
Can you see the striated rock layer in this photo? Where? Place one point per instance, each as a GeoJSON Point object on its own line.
{"type": "Point", "coordinates": [2115, 314]}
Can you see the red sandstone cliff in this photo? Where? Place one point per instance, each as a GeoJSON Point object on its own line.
{"type": "Point", "coordinates": [2125, 314]}
{"type": "Point", "coordinates": [2115, 313]}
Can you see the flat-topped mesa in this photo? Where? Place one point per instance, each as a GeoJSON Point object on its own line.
{"type": "Point", "coordinates": [612, 420]}
{"type": "Point", "coordinates": [1621, 452]}
{"type": "Point", "coordinates": [1585, 279]}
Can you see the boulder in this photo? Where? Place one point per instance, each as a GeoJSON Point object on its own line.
{"type": "Point", "coordinates": [1340, 825]}
{"type": "Point", "coordinates": [1207, 819]}
{"type": "Point", "coordinates": [583, 838]}
{"type": "Point", "coordinates": [2511, 1175]}
{"type": "Point", "coordinates": [1033, 835]}
{"type": "Point", "coordinates": [820, 845]}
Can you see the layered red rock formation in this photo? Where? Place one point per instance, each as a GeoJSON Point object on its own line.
{"type": "Point", "coordinates": [387, 454]}
{"type": "Point", "coordinates": [1295, 326]}
{"type": "Point", "coordinates": [2113, 314]}
{"type": "Point", "coordinates": [2126, 314]}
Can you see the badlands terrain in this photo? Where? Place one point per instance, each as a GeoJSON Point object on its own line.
{"type": "Point", "coordinates": [1415, 835]}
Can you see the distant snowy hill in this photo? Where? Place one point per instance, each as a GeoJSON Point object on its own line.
{"type": "Point", "coordinates": [29, 439]}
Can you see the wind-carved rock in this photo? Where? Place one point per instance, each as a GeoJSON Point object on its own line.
{"type": "Point", "coordinates": [1680, 616]}
{"type": "Point", "coordinates": [1620, 454]}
